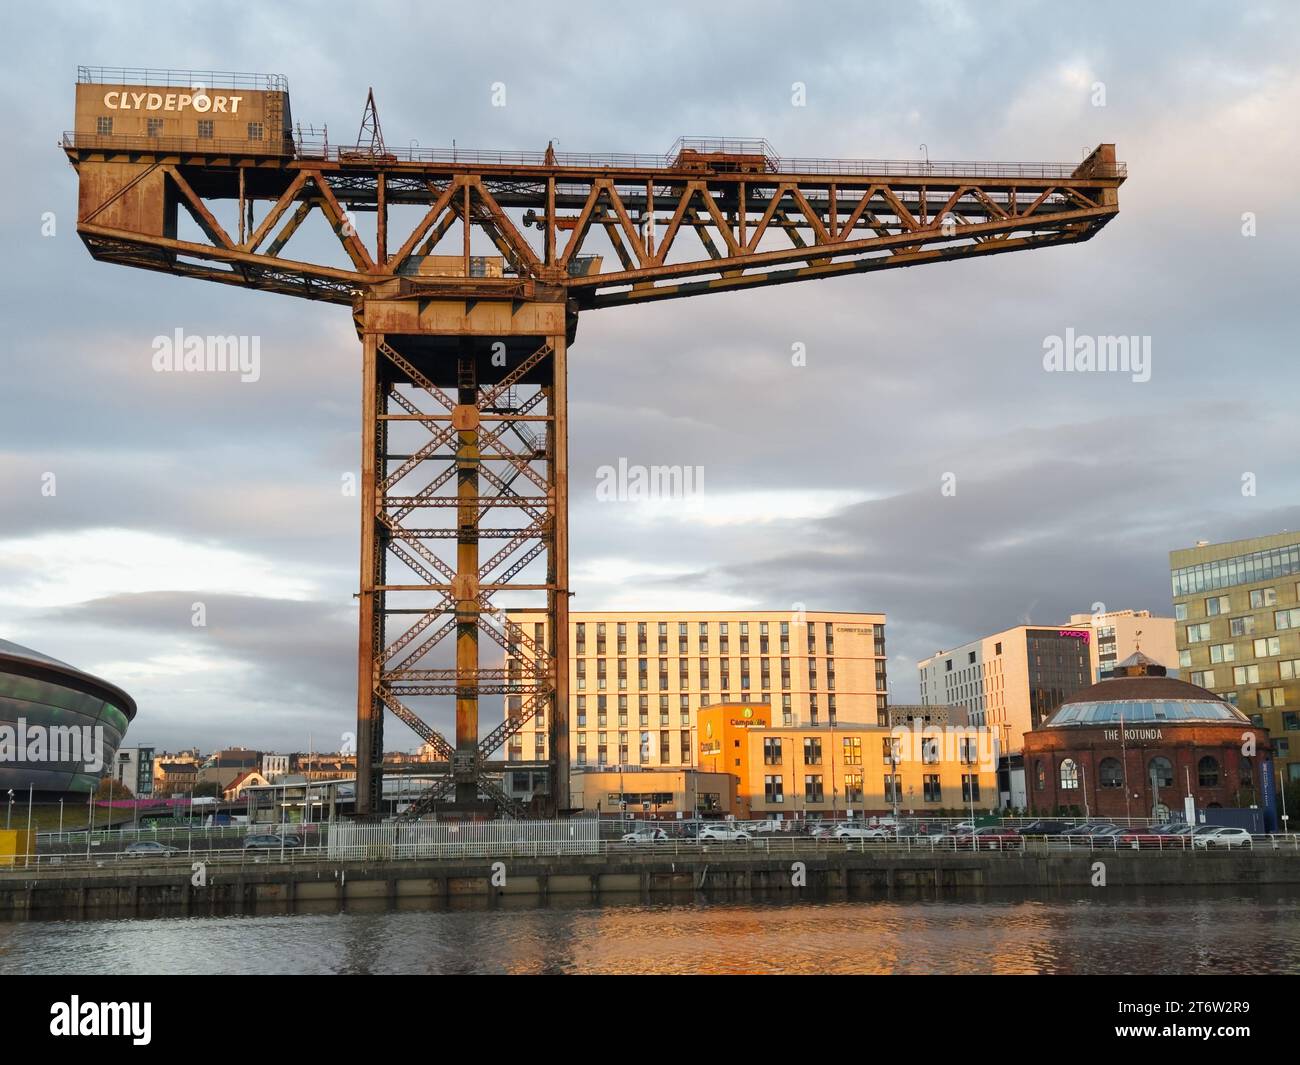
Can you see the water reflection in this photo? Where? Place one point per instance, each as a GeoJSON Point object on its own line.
{"type": "Point", "coordinates": [1120, 931]}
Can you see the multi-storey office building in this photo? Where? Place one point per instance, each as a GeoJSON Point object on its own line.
{"type": "Point", "coordinates": [1014, 680]}
{"type": "Point", "coordinates": [1237, 607]}
{"type": "Point", "coordinates": [637, 680]}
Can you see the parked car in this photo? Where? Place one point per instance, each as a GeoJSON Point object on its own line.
{"type": "Point", "coordinates": [1090, 828]}
{"type": "Point", "coordinates": [1161, 836]}
{"type": "Point", "coordinates": [1045, 828]}
{"type": "Point", "coordinates": [722, 834]}
{"type": "Point", "coordinates": [961, 829]}
{"type": "Point", "coordinates": [645, 835]}
{"type": "Point", "coordinates": [267, 841]}
{"type": "Point", "coordinates": [990, 838]}
{"type": "Point", "coordinates": [150, 848]}
{"type": "Point", "coordinates": [1214, 836]}
{"type": "Point", "coordinates": [854, 830]}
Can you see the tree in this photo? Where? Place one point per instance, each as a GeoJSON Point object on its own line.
{"type": "Point", "coordinates": [209, 789]}
{"type": "Point", "coordinates": [112, 789]}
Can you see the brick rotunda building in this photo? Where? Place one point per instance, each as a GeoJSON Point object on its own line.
{"type": "Point", "coordinates": [1135, 743]}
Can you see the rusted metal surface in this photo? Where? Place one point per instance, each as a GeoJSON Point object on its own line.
{"type": "Point", "coordinates": [479, 504]}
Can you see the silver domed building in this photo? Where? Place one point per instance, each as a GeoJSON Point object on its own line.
{"type": "Point", "coordinates": [59, 727]}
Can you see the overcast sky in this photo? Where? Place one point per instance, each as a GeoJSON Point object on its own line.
{"type": "Point", "coordinates": [823, 482]}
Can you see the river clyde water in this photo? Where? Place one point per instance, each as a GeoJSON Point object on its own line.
{"type": "Point", "coordinates": [1148, 931]}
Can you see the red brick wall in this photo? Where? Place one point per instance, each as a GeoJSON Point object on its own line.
{"type": "Point", "coordinates": [1183, 745]}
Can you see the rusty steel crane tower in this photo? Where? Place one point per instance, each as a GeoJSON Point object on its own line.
{"type": "Point", "coordinates": [464, 368]}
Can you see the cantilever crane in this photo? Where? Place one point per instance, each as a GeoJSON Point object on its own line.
{"type": "Point", "coordinates": [464, 356]}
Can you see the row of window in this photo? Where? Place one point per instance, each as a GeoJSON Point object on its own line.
{"type": "Point", "coordinates": [643, 753]}
{"type": "Point", "coordinates": [1110, 773]}
{"type": "Point", "coordinates": [1242, 569]}
{"type": "Point", "coordinates": [154, 128]}
{"type": "Point", "coordinates": [702, 637]}
{"type": "Point", "coordinates": [814, 789]}
{"type": "Point", "coordinates": [1199, 632]}
{"type": "Point", "coordinates": [705, 676]}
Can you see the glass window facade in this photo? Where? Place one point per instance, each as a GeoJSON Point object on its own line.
{"type": "Point", "coordinates": [1243, 569]}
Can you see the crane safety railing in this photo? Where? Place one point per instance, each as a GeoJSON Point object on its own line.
{"type": "Point", "coordinates": [182, 79]}
{"type": "Point", "coordinates": [316, 147]}
{"type": "Point", "coordinates": [780, 166]}
{"type": "Point", "coordinates": [311, 147]}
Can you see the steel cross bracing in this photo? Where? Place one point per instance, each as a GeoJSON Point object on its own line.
{"type": "Point", "coordinates": [751, 228]}
{"type": "Point", "coordinates": [474, 464]}
{"type": "Point", "coordinates": [464, 465]}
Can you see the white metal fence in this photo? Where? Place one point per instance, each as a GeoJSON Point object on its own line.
{"type": "Point", "coordinates": [475, 839]}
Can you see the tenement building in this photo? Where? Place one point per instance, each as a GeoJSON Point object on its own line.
{"type": "Point", "coordinates": [1139, 741]}
{"type": "Point", "coordinates": [1237, 606]}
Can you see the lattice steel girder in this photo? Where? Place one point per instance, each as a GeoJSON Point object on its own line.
{"type": "Point", "coordinates": [750, 229]}
{"type": "Point", "coordinates": [432, 487]}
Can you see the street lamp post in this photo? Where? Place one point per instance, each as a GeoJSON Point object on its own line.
{"type": "Point", "coordinates": [893, 762]}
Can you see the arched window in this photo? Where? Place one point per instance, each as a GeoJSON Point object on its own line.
{"type": "Point", "coordinates": [1069, 775]}
{"type": "Point", "coordinates": [1110, 774]}
{"type": "Point", "coordinates": [1247, 777]}
{"type": "Point", "coordinates": [1207, 769]}
{"type": "Point", "coordinates": [1161, 771]}
{"type": "Point", "coordinates": [1040, 776]}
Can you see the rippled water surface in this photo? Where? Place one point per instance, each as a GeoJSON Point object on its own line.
{"type": "Point", "coordinates": [1150, 932]}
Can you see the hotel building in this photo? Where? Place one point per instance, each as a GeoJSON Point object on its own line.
{"type": "Point", "coordinates": [638, 679]}
{"type": "Point", "coordinates": [1237, 607]}
{"type": "Point", "coordinates": [850, 769]}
